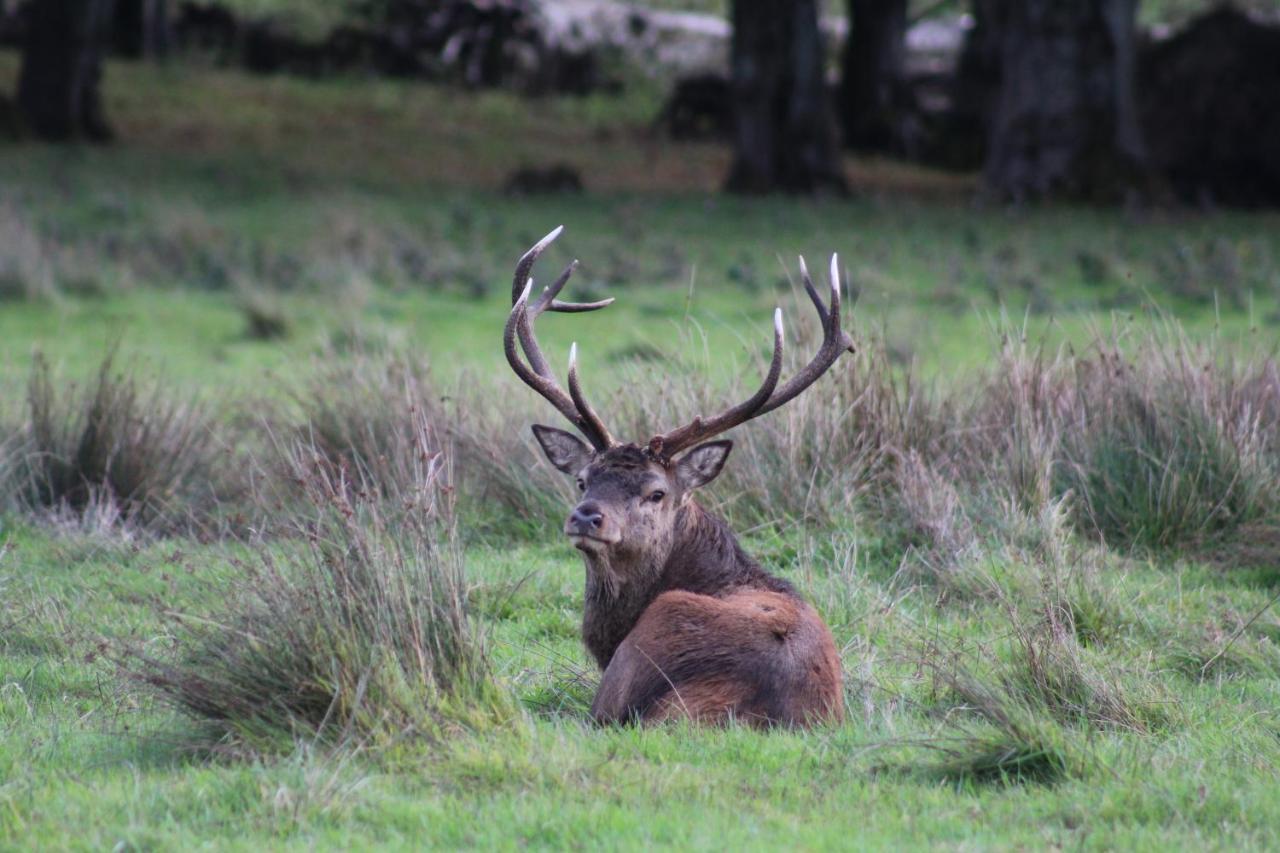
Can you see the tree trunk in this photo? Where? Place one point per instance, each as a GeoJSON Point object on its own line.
{"type": "Point", "coordinates": [1065, 120]}
{"type": "Point", "coordinates": [962, 140]}
{"type": "Point", "coordinates": [141, 28]}
{"type": "Point", "coordinates": [875, 101]}
{"type": "Point", "coordinates": [58, 86]}
{"type": "Point", "coordinates": [783, 136]}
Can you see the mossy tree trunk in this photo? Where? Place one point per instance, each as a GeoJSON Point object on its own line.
{"type": "Point", "coordinates": [875, 101]}
{"type": "Point", "coordinates": [1065, 120]}
{"type": "Point", "coordinates": [141, 28]}
{"type": "Point", "coordinates": [974, 90]}
{"type": "Point", "coordinates": [784, 139]}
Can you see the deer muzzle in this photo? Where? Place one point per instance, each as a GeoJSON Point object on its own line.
{"type": "Point", "coordinates": [588, 524]}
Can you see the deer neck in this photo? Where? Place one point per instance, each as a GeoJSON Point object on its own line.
{"type": "Point", "coordinates": [702, 556]}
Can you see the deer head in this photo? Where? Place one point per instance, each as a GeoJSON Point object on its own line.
{"type": "Point", "coordinates": [632, 494]}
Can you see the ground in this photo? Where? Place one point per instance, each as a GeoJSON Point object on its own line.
{"type": "Point", "coordinates": [381, 221]}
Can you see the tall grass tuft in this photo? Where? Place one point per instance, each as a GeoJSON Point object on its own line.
{"type": "Point", "coordinates": [117, 447]}
{"type": "Point", "coordinates": [366, 414]}
{"type": "Point", "coordinates": [1011, 749]}
{"type": "Point", "coordinates": [354, 630]}
{"type": "Point", "coordinates": [1018, 721]}
{"type": "Point", "coordinates": [994, 730]}
{"type": "Point", "coordinates": [509, 488]}
{"type": "Point", "coordinates": [1154, 443]}
{"type": "Point", "coordinates": [361, 412]}
{"type": "Point", "coordinates": [1026, 706]}
{"type": "Point", "coordinates": [1171, 446]}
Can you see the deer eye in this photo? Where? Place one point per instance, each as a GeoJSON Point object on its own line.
{"type": "Point", "coordinates": [582, 485]}
{"type": "Point", "coordinates": [657, 497]}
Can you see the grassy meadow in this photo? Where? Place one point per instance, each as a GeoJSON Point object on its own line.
{"type": "Point", "coordinates": [279, 566]}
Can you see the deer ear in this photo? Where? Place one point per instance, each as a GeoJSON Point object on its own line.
{"type": "Point", "coordinates": [702, 464]}
{"type": "Point", "coordinates": [564, 449]}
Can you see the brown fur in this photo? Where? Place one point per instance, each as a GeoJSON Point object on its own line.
{"type": "Point", "coordinates": [684, 622]}
{"type": "Point", "coordinates": [711, 701]}
{"type": "Point", "coordinates": [760, 657]}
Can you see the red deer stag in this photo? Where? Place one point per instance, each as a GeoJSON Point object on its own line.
{"type": "Point", "coordinates": [682, 621]}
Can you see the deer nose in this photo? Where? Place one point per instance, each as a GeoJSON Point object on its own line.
{"type": "Point", "coordinates": [586, 518]}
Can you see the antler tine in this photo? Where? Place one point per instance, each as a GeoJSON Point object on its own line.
{"type": "Point", "coordinates": [544, 386]}
{"type": "Point", "coordinates": [531, 312]}
{"type": "Point", "coordinates": [812, 291]}
{"type": "Point", "coordinates": [549, 294]}
{"type": "Point", "coordinates": [525, 324]}
{"type": "Point", "coordinates": [547, 300]}
{"type": "Point", "coordinates": [699, 429]}
{"type": "Point", "coordinates": [527, 260]}
{"type": "Point", "coordinates": [579, 307]}
{"type": "Point", "coordinates": [575, 393]}
{"type": "Point", "coordinates": [537, 372]}
{"type": "Point", "coordinates": [834, 342]}
{"type": "Point", "coordinates": [833, 313]}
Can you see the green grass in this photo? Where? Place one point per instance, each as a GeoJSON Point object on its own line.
{"type": "Point", "coordinates": [89, 762]}
{"type": "Point", "coordinates": [379, 221]}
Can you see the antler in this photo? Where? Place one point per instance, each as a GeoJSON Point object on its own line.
{"type": "Point", "coordinates": [769, 397]}
{"type": "Point", "coordinates": [537, 373]}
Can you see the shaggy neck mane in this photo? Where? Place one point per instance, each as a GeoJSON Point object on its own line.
{"type": "Point", "coordinates": [704, 557]}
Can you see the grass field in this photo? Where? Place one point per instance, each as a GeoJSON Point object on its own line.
{"type": "Point", "coordinates": [1095, 667]}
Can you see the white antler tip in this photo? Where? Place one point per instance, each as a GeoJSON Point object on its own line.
{"type": "Point", "coordinates": [573, 355]}
{"type": "Point", "coordinates": [804, 268]}
{"type": "Point", "coordinates": [544, 242]}
{"type": "Point", "coordinates": [777, 321]}
{"type": "Point", "coordinates": [835, 273]}
{"type": "Point", "coordinates": [538, 247]}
